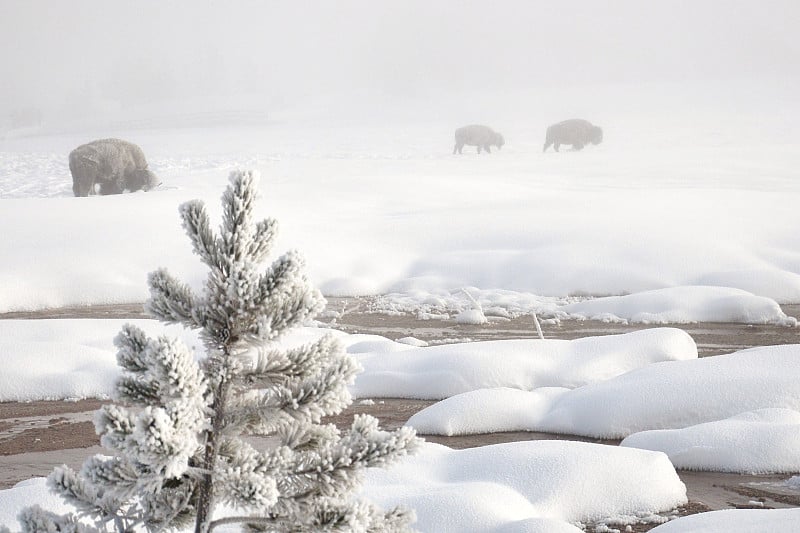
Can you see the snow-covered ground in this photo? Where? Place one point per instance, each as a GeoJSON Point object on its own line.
{"type": "Point", "coordinates": [677, 196]}
{"type": "Point", "coordinates": [738, 412]}
{"type": "Point", "coordinates": [687, 212]}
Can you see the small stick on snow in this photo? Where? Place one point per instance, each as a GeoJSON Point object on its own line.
{"type": "Point", "coordinates": [538, 327]}
{"type": "Point", "coordinates": [473, 300]}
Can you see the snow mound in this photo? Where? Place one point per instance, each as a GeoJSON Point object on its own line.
{"type": "Point", "coordinates": [26, 493]}
{"type": "Point", "coordinates": [412, 341]}
{"type": "Point", "coordinates": [678, 394]}
{"type": "Point", "coordinates": [665, 395]}
{"type": "Point", "coordinates": [513, 486]}
{"type": "Point", "coordinates": [780, 285]}
{"type": "Point", "coordinates": [530, 487]}
{"type": "Point", "coordinates": [755, 442]}
{"type": "Point", "coordinates": [486, 411]}
{"type": "Point", "coordinates": [471, 316]}
{"type": "Point", "coordinates": [751, 520]}
{"type": "Point", "coordinates": [680, 305]}
{"type": "Point", "coordinates": [437, 372]}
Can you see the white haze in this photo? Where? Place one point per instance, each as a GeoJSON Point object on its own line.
{"type": "Point", "coordinates": [363, 61]}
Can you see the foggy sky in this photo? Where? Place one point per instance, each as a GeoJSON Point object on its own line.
{"type": "Point", "coordinates": [68, 54]}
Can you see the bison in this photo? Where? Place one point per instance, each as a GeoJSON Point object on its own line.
{"type": "Point", "coordinates": [576, 132]}
{"type": "Point", "coordinates": [109, 166]}
{"type": "Point", "coordinates": [477, 135]}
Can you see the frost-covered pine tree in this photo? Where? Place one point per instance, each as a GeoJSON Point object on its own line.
{"type": "Point", "coordinates": [175, 433]}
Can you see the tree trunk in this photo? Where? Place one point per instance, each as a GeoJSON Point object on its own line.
{"type": "Point", "coordinates": [205, 490]}
{"type": "Point", "coordinates": [205, 493]}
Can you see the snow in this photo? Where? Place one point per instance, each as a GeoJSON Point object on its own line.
{"type": "Point", "coordinates": [471, 316]}
{"type": "Point", "coordinates": [412, 341]}
{"type": "Point", "coordinates": [682, 305]}
{"type": "Point", "coordinates": [394, 213]}
{"type": "Point", "coordinates": [758, 442]}
{"type": "Point", "coordinates": [763, 282]}
{"type": "Point", "coordinates": [686, 213]}
{"type": "Point", "coordinates": [75, 358]}
{"type": "Point", "coordinates": [66, 358]}
{"type": "Point", "coordinates": [500, 486]}
{"type": "Point", "coordinates": [642, 380]}
{"type": "Point", "coordinates": [436, 372]}
{"type": "Point", "coordinates": [24, 494]}
{"type": "Point", "coordinates": [734, 520]}
{"type": "Point", "coordinates": [534, 486]}
{"type": "Point", "coordinates": [664, 395]}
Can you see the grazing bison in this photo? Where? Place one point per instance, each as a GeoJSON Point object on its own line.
{"type": "Point", "coordinates": [576, 132]}
{"type": "Point", "coordinates": [109, 166]}
{"type": "Point", "coordinates": [477, 135]}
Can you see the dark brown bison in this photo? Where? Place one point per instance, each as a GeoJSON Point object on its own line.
{"type": "Point", "coordinates": [109, 166]}
{"type": "Point", "coordinates": [576, 132]}
{"type": "Point", "coordinates": [477, 135]}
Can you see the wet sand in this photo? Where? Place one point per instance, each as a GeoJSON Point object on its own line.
{"type": "Point", "coordinates": [36, 436]}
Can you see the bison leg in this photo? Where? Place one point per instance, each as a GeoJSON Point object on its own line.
{"type": "Point", "coordinates": [457, 148]}
{"type": "Point", "coordinates": [82, 187]}
{"type": "Point", "coordinates": [486, 147]}
{"type": "Point", "coordinates": [577, 146]}
{"type": "Point", "coordinates": [84, 175]}
{"type": "Point", "coordinates": [555, 146]}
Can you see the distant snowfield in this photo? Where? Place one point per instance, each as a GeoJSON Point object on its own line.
{"type": "Point", "coordinates": [701, 200]}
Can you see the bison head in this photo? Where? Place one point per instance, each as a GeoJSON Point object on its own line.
{"type": "Point", "coordinates": [144, 180]}
{"type": "Point", "coordinates": [80, 188]}
{"type": "Point", "coordinates": [596, 135]}
{"type": "Point", "coordinates": [499, 141]}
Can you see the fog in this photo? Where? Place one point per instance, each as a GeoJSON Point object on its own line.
{"type": "Point", "coordinates": [79, 57]}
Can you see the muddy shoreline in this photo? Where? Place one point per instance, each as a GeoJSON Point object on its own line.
{"type": "Point", "coordinates": [36, 436]}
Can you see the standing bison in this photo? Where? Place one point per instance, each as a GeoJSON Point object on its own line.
{"type": "Point", "coordinates": [109, 166]}
{"type": "Point", "coordinates": [477, 135]}
{"type": "Point", "coordinates": [576, 132]}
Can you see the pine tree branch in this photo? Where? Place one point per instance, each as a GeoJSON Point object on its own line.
{"type": "Point", "coordinates": [263, 238]}
{"type": "Point", "coordinates": [131, 343]}
{"type": "Point", "coordinates": [75, 490]}
{"type": "Point", "coordinates": [281, 366]}
{"type": "Point", "coordinates": [279, 276]}
{"type": "Point", "coordinates": [115, 424]}
{"type": "Point", "coordinates": [172, 301]}
{"type": "Point", "coordinates": [299, 402]}
{"type": "Point", "coordinates": [136, 390]}
{"type": "Point", "coordinates": [286, 311]}
{"type": "Point", "coordinates": [198, 227]}
{"type": "Point", "coordinates": [34, 519]}
{"type": "Point", "coordinates": [280, 524]}
{"type": "Point", "coordinates": [236, 232]}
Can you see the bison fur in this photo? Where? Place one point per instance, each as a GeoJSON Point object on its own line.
{"type": "Point", "coordinates": [576, 132]}
{"type": "Point", "coordinates": [109, 166]}
{"type": "Point", "coordinates": [477, 135]}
